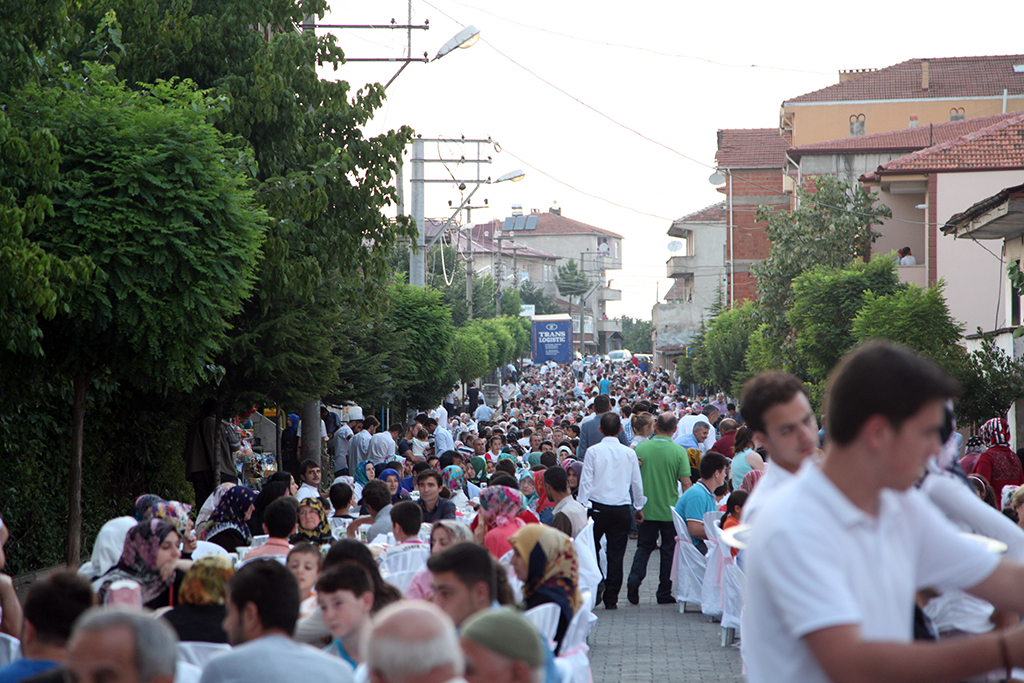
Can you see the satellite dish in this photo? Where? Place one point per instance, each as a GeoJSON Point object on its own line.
{"type": "Point", "coordinates": [717, 178]}
{"type": "Point", "coordinates": [675, 245]}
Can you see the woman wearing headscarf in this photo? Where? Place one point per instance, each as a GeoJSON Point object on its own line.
{"type": "Point", "coordinates": [144, 506]}
{"type": "Point", "coordinates": [479, 469]}
{"type": "Point", "coordinates": [528, 490]}
{"type": "Point", "coordinates": [393, 479]}
{"type": "Point", "coordinates": [200, 612]}
{"type": "Point", "coordinates": [499, 507]}
{"type": "Point", "coordinates": [290, 445]}
{"type": "Point", "coordinates": [107, 549]}
{"type": "Point", "coordinates": [314, 525]}
{"type": "Point", "coordinates": [150, 558]}
{"type": "Point", "coordinates": [975, 445]}
{"type": "Point", "coordinates": [456, 482]}
{"type": "Point", "coordinates": [227, 525]}
{"type": "Point", "coordinates": [999, 465]}
{"type": "Point", "coordinates": [363, 474]}
{"type": "Point", "coordinates": [545, 560]}
{"type": "Point", "coordinates": [544, 507]}
{"type": "Point", "coordinates": [574, 470]}
{"type": "Point", "coordinates": [210, 504]}
{"type": "Point", "coordinates": [177, 514]}
{"type": "Point", "coordinates": [272, 490]}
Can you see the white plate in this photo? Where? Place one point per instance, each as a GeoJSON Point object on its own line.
{"type": "Point", "coordinates": [737, 536]}
{"type": "Point", "coordinates": [991, 544]}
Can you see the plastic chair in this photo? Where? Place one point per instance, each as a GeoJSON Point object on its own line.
{"type": "Point", "coordinates": [339, 525]}
{"type": "Point", "coordinates": [573, 661]}
{"type": "Point", "coordinates": [10, 649]}
{"type": "Point", "coordinates": [711, 588]}
{"type": "Point", "coordinates": [513, 579]}
{"type": "Point", "coordinates": [257, 541]}
{"type": "Point", "coordinates": [689, 565]}
{"type": "Point", "coordinates": [204, 548]}
{"type": "Point", "coordinates": [545, 618]}
{"type": "Point", "coordinates": [402, 562]}
{"type": "Point", "coordinates": [590, 573]}
{"type": "Point", "coordinates": [283, 559]}
{"type": "Point", "coordinates": [199, 653]}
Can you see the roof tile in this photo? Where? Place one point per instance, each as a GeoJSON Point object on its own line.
{"type": "Point", "coordinates": [716, 213]}
{"type": "Point", "coordinates": [947, 77]}
{"type": "Point", "coordinates": [999, 146]}
{"type": "Point", "coordinates": [751, 148]}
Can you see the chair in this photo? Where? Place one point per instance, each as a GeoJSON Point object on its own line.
{"type": "Point", "coordinates": [199, 653]}
{"type": "Point", "coordinates": [257, 541]}
{"type": "Point", "coordinates": [514, 581]}
{"type": "Point", "coordinates": [689, 565]}
{"type": "Point", "coordinates": [339, 525]}
{"type": "Point", "coordinates": [590, 573]}
{"type": "Point", "coordinates": [711, 588]}
{"type": "Point", "coordinates": [204, 548]}
{"type": "Point", "coordinates": [10, 649]}
{"type": "Point", "coordinates": [573, 662]}
{"type": "Point", "coordinates": [283, 559]}
{"type": "Point", "coordinates": [402, 562]}
{"type": "Point", "coordinates": [545, 618]}
{"type": "Point", "coordinates": [732, 602]}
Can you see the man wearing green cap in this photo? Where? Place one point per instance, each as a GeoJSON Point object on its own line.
{"type": "Point", "coordinates": [502, 646]}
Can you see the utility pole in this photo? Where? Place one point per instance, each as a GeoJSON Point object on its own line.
{"type": "Point", "coordinates": [469, 280]}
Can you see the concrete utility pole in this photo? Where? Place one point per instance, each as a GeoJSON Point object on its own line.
{"type": "Point", "coordinates": [418, 255]}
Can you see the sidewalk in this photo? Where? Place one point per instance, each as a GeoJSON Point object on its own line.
{"type": "Point", "coordinates": [653, 643]}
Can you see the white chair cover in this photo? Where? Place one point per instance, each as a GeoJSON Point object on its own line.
{"type": "Point", "coordinates": [711, 588]}
{"type": "Point", "coordinates": [689, 565]}
{"type": "Point", "coordinates": [513, 580]}
{"type": "Point", "coordinates": [10, 649]}
{"type": "Point", "coordinates": [402, 562]}
{"type": "Point", "coordinates": [590, 574]}
{"type": "Point", "coordinates": [199, 653]}
{"type": "Point", "coordinates": [545, 618]}
{"type": "Point", "coordinates": [283, 559]}
{"type": "Point", "coordinates": [574, 650]}
{"type": "Point", "coordinates": [204, 548]}
{"type": "Point", "coordinates": [257, 541]}
{"type": "Point", "coordinates": [339, 525]}
{"type": "Point", "coordinates": [732, 601]}
{"type": "Point", "coordinates": [185, 672]}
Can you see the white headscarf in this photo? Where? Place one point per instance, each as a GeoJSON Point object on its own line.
{"type": "Point", "coordinates": [108, 547]}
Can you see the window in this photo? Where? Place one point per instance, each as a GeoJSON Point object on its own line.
{"type": "Point", "coordinates": [957, 114]}
{"type": "Point", "coordinates": [858, 123]}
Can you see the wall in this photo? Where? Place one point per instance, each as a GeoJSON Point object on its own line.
{"type": "Point", "coordinates": [848, 167]}
{"type": "Point", "coordinates": [750, 189]}
{"type": "Point", "coordinates": [905, 228]}
{"type": "Point", "coordinates": [973, 270]}
{"type": "Point", "coordinates": [819, 122]}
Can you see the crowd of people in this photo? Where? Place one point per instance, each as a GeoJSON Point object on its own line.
{"type": "Point", "coordinates": [420, 558]}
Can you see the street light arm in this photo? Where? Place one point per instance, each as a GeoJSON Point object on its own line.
{"type": "Point", "coordinates": [456, 213]}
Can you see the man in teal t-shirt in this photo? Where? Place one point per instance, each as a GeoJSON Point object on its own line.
{"type": "Point", "coordinates": [662, 465]}
{"type": "Point", "coordinates": [700, 499]}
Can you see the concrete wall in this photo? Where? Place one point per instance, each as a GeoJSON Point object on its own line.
{"type": "Point", "coordinates": [818, 122]}
{"type": "Point", "coordinates": [972, 270]}
{"type": "Point", "coordinates": [905, 228]}
{"type": "Point", "coordinates": [848, 167]}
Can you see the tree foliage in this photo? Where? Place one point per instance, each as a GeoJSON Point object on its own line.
{"type": "Point", "coordinates": [725, 348]}
{"type": "Point", "coordinates": [915, 317]}
{"type": "Point", "coordinates": [535, 296]}
{"type": "Point", "coordinates": [636, 335]}
{"type": "Point", "coordinates": [831, 227]}
{"type": "Point", "coordinates": [990, 381]}
{"type": "Point", "coordinates": [571, 281]}
{"type": "Point", "coordinates": [419, 314]}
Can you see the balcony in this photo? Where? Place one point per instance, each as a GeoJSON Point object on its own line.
{"type": "Point", "coordinates": [609, 294]}
{"type": "Point", "coordinates": [679, 266]}
{"type": "Point", "coordinates": [609, 326]}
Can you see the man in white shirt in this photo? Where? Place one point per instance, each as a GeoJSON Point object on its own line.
{"type": "Point", "coordinates": [610, 473]}
{"type": "Point", "coordinates": [776, 409]}
{"type": "Point", "coordinates": [384, 446]}
{"type": "Point", "coordinates": [483, 413]}
{"type": "Point", "coordinates": [359, 446]}
{"type": "Point", "coordinates": [440, 413]}
{"type": "Point", "coordinates": [838, 555]}
{"type": "Point", "coordinates": [443, 440]}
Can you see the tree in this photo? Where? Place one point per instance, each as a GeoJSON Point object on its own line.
{"type": "Point", "coordinates": [915, 317]}
{"type": "Point", "coordinates": [990, 381]}
{"type": "Point", "coordinates": [831, 227]}
{"type": "Point", "coordinates": [825, 302]}
{"type": "Point", "coordinates": [535, 296]}
{"type": "Point", "coordinates": [469, 355]}
{"type": "Point", "coordinates": [725, 347]}
{"type": "Point", "coordinates": [571, 281]}
{"type": "Point", "coordinates": [156, 198]}
{"type": "Point", "coordinates": [419, 314]}
{"type": "Point", "coordinates": [636, 335]}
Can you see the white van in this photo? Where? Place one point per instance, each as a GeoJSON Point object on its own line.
{"type": "Point", "coordinates": [621, 356]}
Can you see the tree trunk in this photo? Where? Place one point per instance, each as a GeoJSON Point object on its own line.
{"type": "Point", "coordinates": [310, 432]}
{"type": "Point", "coordinates": [74, 554]}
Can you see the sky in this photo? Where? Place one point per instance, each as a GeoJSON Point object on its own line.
{"type": "Point", "coordinates": [612, 113]}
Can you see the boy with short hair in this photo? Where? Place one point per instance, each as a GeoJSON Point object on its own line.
{"type": "Point", "coordinates": [345, 596]}
{"type": "Point", "coordinates": [304, 563]}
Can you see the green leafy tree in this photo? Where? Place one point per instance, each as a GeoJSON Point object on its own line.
{"type": "Point", "coordinates": [469, 355]}
{"type": "Point", "coordinates": [725, 348]}
{"type": "Point", "coordinates": [831, 227]}
{"type": "Point", "coordinates": [990, 382]}
{"type": "Point", "coordinates": [535, 296]}
{"type": "Point", "coordinates": [915, 317]}
{"type": "Point", "coordinates": [636, 334]}
{"type": "Point", "coordinates": [419, 314]}
{"type": "Point", "coordinates": [825, 302]}
{"type": "Point", "coordinates": [155, 197]}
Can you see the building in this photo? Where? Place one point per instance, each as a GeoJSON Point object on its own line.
{"type": "Point", "coordinates": [917, 92]}
{"type": "Point", "coordinates": [926, 188]}
{"type": "Point", "coordinates": [699, 276]}
{"type": "Point", "coordinates": [595, 251]}
{"type": "Point", "coordinates": [751, 163]}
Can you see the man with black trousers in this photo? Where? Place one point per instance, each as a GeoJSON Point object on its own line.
{"type": "Point", "coordinates": [610, 473]}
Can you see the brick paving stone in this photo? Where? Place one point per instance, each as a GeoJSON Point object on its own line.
{"type": "Point", "coordinates": [652, 643]}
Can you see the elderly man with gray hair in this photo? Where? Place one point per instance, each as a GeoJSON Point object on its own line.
{"type": "Point", "coordinates": [119, 644]}
{"type": "Point", "coordinates": [413, 642]}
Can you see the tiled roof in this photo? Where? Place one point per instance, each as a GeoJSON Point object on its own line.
{"type": "Point", "coordinates": [554, 224]}
{"type": "Point", "coordinates": [981, 208]}
{"type": "Point", "coordinates": [716, 213]}
{"type": "Point", "coordinates": [999, 146]}
{"type": "Point", "coordinates": [751, 148]}
{"type": "Point", "coordinates": [964, 77]}
{"type": "Point", "coordinates": [909, 139]}
{"type": "Point", "coordinates": [485, 244]}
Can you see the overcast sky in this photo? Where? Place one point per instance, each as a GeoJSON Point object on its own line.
{"type": "Point", "coordinates": [613, 113]}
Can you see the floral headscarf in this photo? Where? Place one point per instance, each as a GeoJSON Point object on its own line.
{"type": "Point", "coordinates": [174, 512]}
{"type": "Point", "coordinates": [138, 560]}
{"type": "Point", "coordinates": [500, 505]}
{"type": "Point", "coordinates": [322, 533]}
{"type": "Point", "coordinates": [543, 502]}
{"type": "Point", "coordinates": [230, 514]}
{"type": "Point", "coordinates": [206, 582]}
{"type": "Point", "coordinates": [975, 444]}
{"type": "Point", "coordinates": [552, 567]}
{"type": "Point", "coordinates": [144, 506]}
{"type": "Point", "coordinates": [211, 503]}
{"type": "Point", "coordinates": [995, 432]}
{"type": "Point", "coordinates": [453, 478]}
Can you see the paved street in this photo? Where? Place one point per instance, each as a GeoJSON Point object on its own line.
{"type": "Point", "coordinates": [653, 643]}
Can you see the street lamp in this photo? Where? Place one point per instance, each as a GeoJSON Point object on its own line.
{"type": "Point", "coordinates": [467, 37]}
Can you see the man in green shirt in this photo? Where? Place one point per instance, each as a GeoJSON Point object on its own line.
{"type": "Point", "coordinates": [662, 464]}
